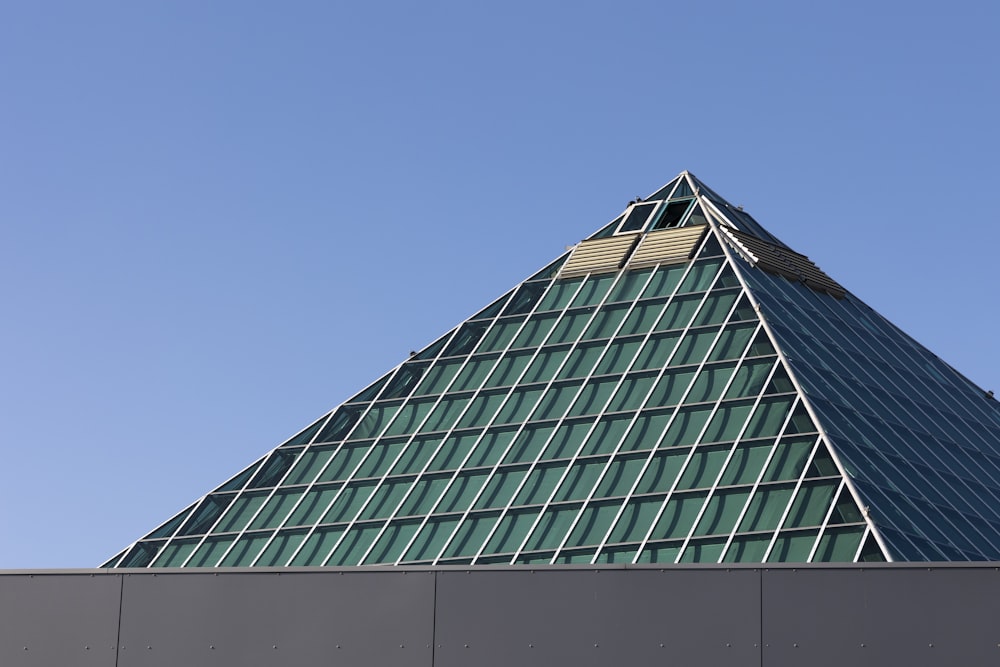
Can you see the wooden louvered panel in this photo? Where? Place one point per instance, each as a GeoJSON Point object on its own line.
{"type": "Point", "coordinates": [599, 255]}
{"type": "Point", "coordinates": [667, 246]}
{"type": "Point", "coordinates": [785, 262]}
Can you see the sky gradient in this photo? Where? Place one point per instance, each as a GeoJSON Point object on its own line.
{"type": "Point", "coordinates": [219, 220]}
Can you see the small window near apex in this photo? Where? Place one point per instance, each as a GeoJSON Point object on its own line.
{"type": "Point", "coordinates": [637, 217]}
{"type": "Point", "coordinates": [673, 214]}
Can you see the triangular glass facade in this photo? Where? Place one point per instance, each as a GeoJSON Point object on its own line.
{"type": "Point", "coordinates": [679, 387]}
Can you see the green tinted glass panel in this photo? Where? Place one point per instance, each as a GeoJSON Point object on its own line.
{"type": "Point", "coordinates": [556, 401]}
{"type": "Point", "coordinates": [567, 439]}
{"type": "Point", "coordinates": [656, 351]}
{"type": "Point", "coordinates": [750, 378]}
{"type": "Point", "coordinates": [536, 329]}
{"type": "Point", "coordinates": [544, 366]}
{"type": "Point", "coordinates": [789, 459]}
{"type": "Point", "coordinates": [354, 545]}
{"type": "Point", "coordinates": [662, 471]}
{"type": "Point", "coordinates": [351, 499]}
{"type": "Point", "coordinates": [500, 489]}
{"type": "Point", "coordinates": [693, 347]}
{"type": "Point", "coordinates": [389, 547]}
{"type": "Point", "coordinates": [445, 414]}
{"type": "Point", "coordinates": [210, 551]}
{"type": "Point", "coordinates": [281, 548]}
{"type": "Point", "coordinates": [570, 326]}
{"type": "Point", "coordinates": [559, 295]}
{"type": "Point", "coordinates": [701, 275]}
{"type": "Point", "coordinates": [618, 357]}
{"type": "Point", "coordinates": [276, 509]}
{"type": "Point", "coordinates": [703, 551]}
{"type": "Point", "coordinates": [594, 396]}
{"type": "Point", "coordinates": [704, 467]}
{"type": "Point", "coordinates": [812, 503]}
{"type": "Point", "coordinates": [620, 476]}
{"type": "Point", "coordinates": [408, 419]}
{"type": "Point", "coordinates": [629, 286]}
{"type": "Point", "coordinates": [733, 342]}
{"type": "Point", "coordinates": [662, 552]}
{"type": "Point", "coordinates": [664, 281]}
{"type": "Point", "coordinates": [415, 455]}
{"type": "Point", "coordinates": [492, 447]}
{"type": "Point", "coordinates": [518, 406]}
{"type": "Point", "coordinates": [313, 505]}
{"type": "Point", "coordinates": [374, 421]}
{"type": "Point", "coordinates": [593, 525]}
{"type": "Point", "coordinates": [240, 513]}
{"type": "Point", "coordinates": [385, 500]}
{"type": "Point", "coordinates": [606, 436]}
{"type": "Point", "coordinates": [463, 489]}
{"type": "Point", "coordinates": [632, 393]}
{"type": "Point", "coordinates": [838, 545]}
{"type": "Point", "coordinates": [528, 444]}
{"type": "Point", "coordinates": [509, 369]}
{"type": "Point", "coordinates": [671, 387]}
{"type": "Point", "coordinates": [647, 431]}
{"type": "Point", "coordinates": [423, 496]}
{"type": "Point", "coordinates": [482, 409]}
{"type": "Point", "coordinates": [500, 334]}
{"type": "Point", "coordinates": [792, 547]}
{"type": "Point", "coordinates": [678, 516]}
{"type": "Point", "coordinates": [471, 535]}
{"type": "Point", "coordinates": [381, 456]}
{"type": "Point", "coordinates": [582, 361]}
{"type": "Point", "coordinates": [746, 465]}
{"type": "Point", "coordinates": [511, 531]}
{"type": "Point", "coordinates": [679, 313]}
{"type": "Point", "coordinates": [431, 538]}
{"type": "Point", "coordinates": [710, 382]}
{"type": "Point", "coordinates": [317, 547]}
{"type": "Point", "coordinates": [716, 308]}
{"type": "Point", "coordinates": [580, 480]}
{"type": "Point", "coordinates": [309, 464]}
{"type": "Point", "coordinates": [594, 289]}
{"type": "Point", "coordinates": [722, 511]}
{"type": "Point", "coordinates": [766, 508]}
{"type": "Point", "coordinates": [552, 527]}
{"type": "Point", "coordinates": [474, 373]}
{"type": "Point", "coordinates": [747, 548]}
{"type": "Point", "coordinates": [727, 422]}
{"type": "Point", "coordinates": [636, 519]}
{"type": "Point", "coordinates": [606, 322]}
{"type": "Point", "coordinates": [686, 426]}
{"type": "Point", "coordinates": [642, 318]}
{"type": "Point", "coordinates": [176, 553]}
{"type": "Point", "coordinates": [344, 462]}
{"type": "Point", "coordinates": [768, 418]}
{"type": "Point", "coordinates": [245, 550]}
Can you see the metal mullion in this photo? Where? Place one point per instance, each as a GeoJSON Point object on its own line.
{"type": "Point", "coordinates": [727, 251]}
{"type": "Point", "coordinates": [593, 426]}
{"type": "Point", "coordinates": [548, 385]}
{"type": "Point", "coordinates": [476, 393]}
{"type": "Point", "coordinates": [732, 450]}
{"type": "Point", "coordinates": [791, 501]}
{"type": "Point", "coordinates": [826, 521]}
{"type": "Point", "coordinates": [635, 416]}
{"type": "Point", "coordinates": [486, 426]}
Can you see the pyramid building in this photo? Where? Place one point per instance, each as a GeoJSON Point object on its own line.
{"type": "Point", "coordinates": [679, 387]}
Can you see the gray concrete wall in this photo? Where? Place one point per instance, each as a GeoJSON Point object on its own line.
{"type": "Point", "coordinates": [699, 615]}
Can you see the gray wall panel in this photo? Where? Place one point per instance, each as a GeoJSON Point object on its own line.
{"type": "Point", "coordinates": [885, 615]}
{"type": "Point", "coordinates": [591, 617]}
{"type": "Point", "coordinates": [191, 619]}
{"type": "Point", "coordinates": [51, 619]}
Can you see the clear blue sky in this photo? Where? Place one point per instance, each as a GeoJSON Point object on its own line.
{"type": "Point", "coordinates": [218, 220]}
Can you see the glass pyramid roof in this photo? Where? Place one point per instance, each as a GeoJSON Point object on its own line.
{"type": "Point", "coordinates": [679, 387]}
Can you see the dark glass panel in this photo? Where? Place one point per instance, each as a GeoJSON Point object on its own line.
{"type": "Point", "coordinates": [637, 217]}
{"type": "Point", "coordinates": [551, 529]}
{"type": "Point", "coordinates": [206, 514]}
{"type": "Point", "coordinates": [466, 339]}
{"type": "Point", "coordinates": [838, 545]}
{"type": "Point", "coordinates": [678, 516]}
{"type": "Point", "coordinates": [471, 535]}
{"type": "Point", "coordinates": [342, 421]}
{"type": "Point", "coordinates": [525, 298]}
{"type": "Point", "coordinates": [672, 214]}
{"type": "Point", "coordinates": [141, 554]}
{"type": "Point", "coordinates": [405, 379]}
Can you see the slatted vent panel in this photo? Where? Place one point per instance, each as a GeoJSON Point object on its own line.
{"type": "Point", "coordinates": [599, 255]}
{"type": "Point", "coordinates": [784, 262]}
{"type": "Point", "coordinates": [667, 246]}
